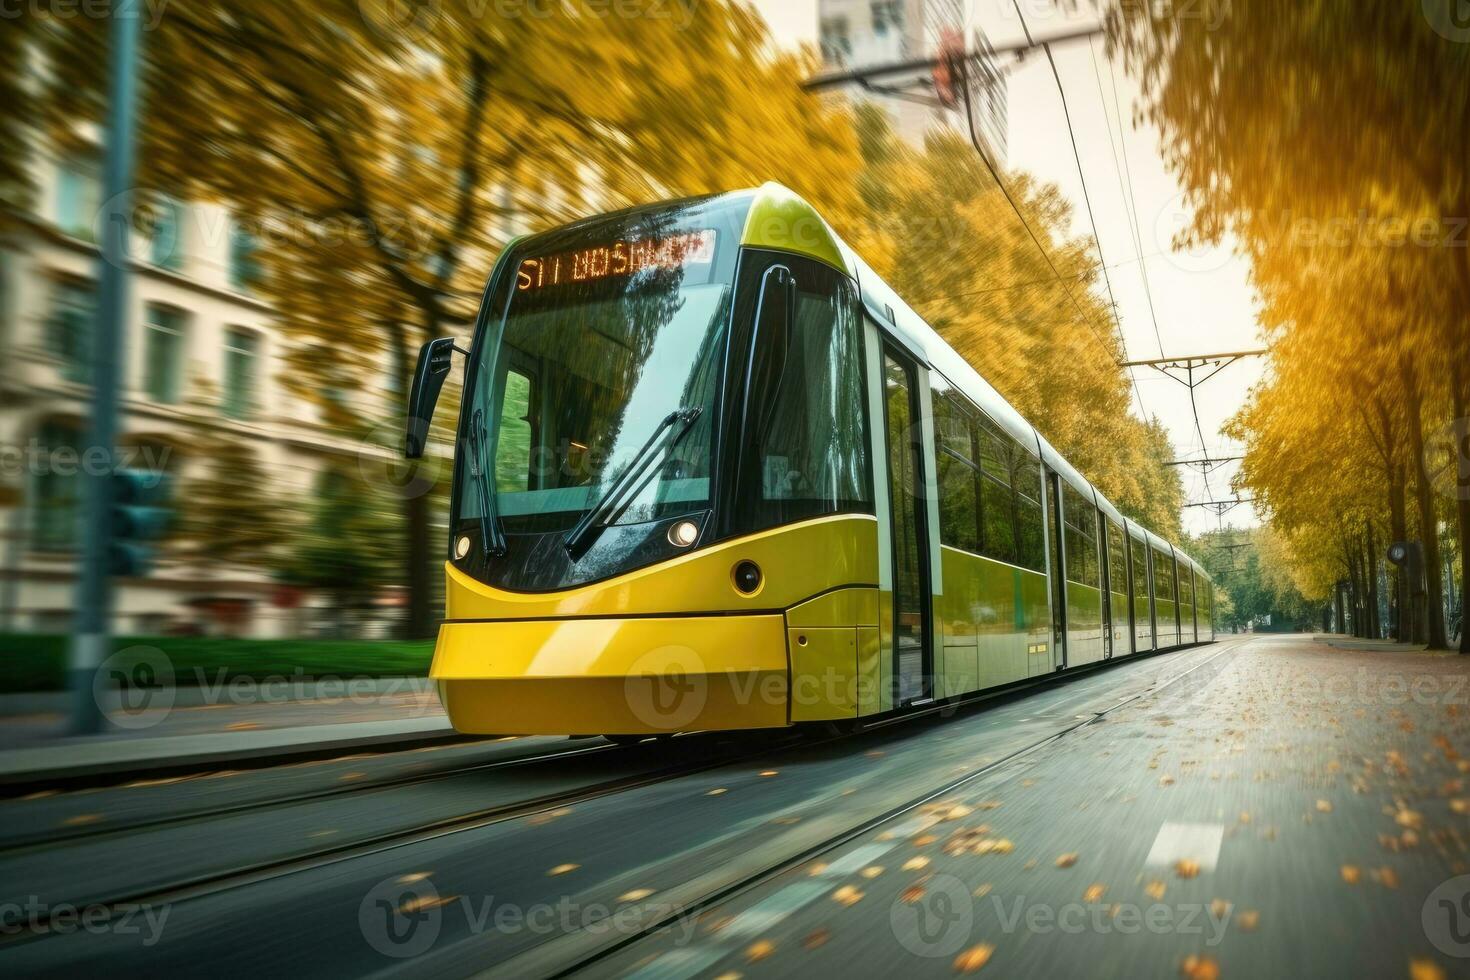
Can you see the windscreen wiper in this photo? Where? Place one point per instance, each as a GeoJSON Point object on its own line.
{"type": "Point", "coordinates": [617, 497]}
{"type": "Point", "coordinates": [492, 538]}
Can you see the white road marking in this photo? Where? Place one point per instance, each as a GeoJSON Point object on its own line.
{"type": "Point", "coordinates": [1193, 841]}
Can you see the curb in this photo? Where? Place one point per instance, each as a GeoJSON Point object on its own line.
{"type": "Point", "coordinates": [68, 766]}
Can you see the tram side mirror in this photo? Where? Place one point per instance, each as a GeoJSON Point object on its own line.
{"type": "Point", "coordinates": [435, 359]}
{"type": "Point", "coordinates": [769, 347]}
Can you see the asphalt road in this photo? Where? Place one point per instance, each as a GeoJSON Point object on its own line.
{"type": "Point", "coordinates": [1263, 807]}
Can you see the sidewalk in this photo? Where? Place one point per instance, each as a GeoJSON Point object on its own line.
{"type": "Point", "coordinates": [174, 730]}
{"type": "Point", "coordinates": [1342, 642]}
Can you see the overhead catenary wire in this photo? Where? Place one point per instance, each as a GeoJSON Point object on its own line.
{"type": "Point", "coordinates": [1045, 254]}
{"type": "Point", "coordinates": [1086, 198]}
{"type": "Point", "coordinates": [1126, 178]}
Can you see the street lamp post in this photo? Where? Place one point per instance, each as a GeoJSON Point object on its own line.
{"type": "Point", "coordinates": [90, 634]}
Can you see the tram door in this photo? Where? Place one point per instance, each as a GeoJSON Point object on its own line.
{"type": "Point", "coordinates": [1057, 564]}
{"type": "Point", "coordinates": [913, 664]}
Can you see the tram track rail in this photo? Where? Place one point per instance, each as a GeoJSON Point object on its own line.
{"type": "Point", "coordinates": [189, 888]}
{"type": "Point", "coordinates": [22, 845]}
{"type": "Point", "coordinates": [533, 963]}
{"type": "Point", "coordinates": [210, 883]}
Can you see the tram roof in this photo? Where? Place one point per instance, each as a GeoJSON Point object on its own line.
{"type": "Point", "coordinates": [781, 219]}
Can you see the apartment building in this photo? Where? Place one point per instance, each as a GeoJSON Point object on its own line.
{"type": "Point", "coordinates": [204, 360]}
{"type": "Point", "coordinates": [857, 34]}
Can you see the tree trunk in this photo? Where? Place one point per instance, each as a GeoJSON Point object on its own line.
{"type": "Point", "coordinates": [1398, 529]}
{"type": "Point", "coordinates": [1370, 556]}
{"type": "Point", "coordinates": [421, 620]}
{"type": "Point", "coordinates": [1428, 521]}
{"type": "Point", "coordinates": [1360, 592]}
{"type": "Point", "coordinates": [1460, 459]}
{"type": "Point", "coordinates": [1350, 568]}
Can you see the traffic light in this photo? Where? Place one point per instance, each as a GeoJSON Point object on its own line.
{"type": "Point", "coordinates": [139, 518]}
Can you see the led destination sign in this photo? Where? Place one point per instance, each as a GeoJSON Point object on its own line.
{"type": "Point", "coordinates": [620, 258]}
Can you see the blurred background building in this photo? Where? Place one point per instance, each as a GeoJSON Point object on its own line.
{"type": "Point", "coordinates": [203, 401]}
{"type": "Point", "coordinates": [859, 34]}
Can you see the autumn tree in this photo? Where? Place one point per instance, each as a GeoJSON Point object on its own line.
{"type": "Point", "coordinates": [961, 256]}
{"type": "Point", "coordinates": [1335, 128]}
{"type": "Point", "coordinates": [391, 157]}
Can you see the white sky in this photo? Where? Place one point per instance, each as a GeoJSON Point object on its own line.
{"type": "Point", "coordinates": [1203, 301]}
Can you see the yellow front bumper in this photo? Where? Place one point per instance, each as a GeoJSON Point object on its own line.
{"type": "Point", "coordinates": [605, 676]}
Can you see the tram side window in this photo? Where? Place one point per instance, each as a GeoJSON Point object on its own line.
{"type": "Point", "coordinates": [1163, 576]}
{"type": "Point", "coordinates": [959, 502]}
{"type": "Point", "coordinates": [989, 485]}
{"type": "Point", "coordinates": [813, 454]}
{"type": "Point", "coordinates": [1030, 518]}
{"type": "Point", "coordinates": [1117, 560]}
{"type": "Point", "coordinates": [1080, 518]}
{"type": "Point", "coordinates": [1140, 569]}
{"type": "Point", "coordinates": [1186, 592]}
{"type": "Point", "coordinates": [998, 501]}
{"type": "Point", "coordinates": [513, 442]}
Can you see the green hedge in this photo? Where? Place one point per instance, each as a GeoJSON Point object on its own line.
{"type": "Point", "coordinates": [37, 662]}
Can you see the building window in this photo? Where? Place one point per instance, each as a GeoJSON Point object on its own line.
{"type": "Point", "coordinates": [56, 495]}
{"type": "Point", "coordinates": [70, 326]}
{"type": "Point", "coordinates": [78, 196]}
{"type": "Point", "coordinates": [836, 39]}
{"type": "Point", "coordinates": [241, 350]}
{"type": "Point", "coordinates": [163, 352]}
{"type": "Point", "coordinates": [165, 245]}
{"type": "Point", "coordinates": [887, 16]}
{"type": "Point", "coordinates": [245, 268]}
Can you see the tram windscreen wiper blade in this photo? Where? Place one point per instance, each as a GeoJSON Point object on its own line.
{"type": "Point", "coordinates": [617, 496]}
{"type": "Point", "coordinates": [492, 538]}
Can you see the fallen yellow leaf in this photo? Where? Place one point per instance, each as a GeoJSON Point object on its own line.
{"type": "Point", "coordinates": [562, 869]}
{"type": "Point", "coordinates": [1423, 969]}
{"type": "Point", "coordinates": [1200, 968]}
{"type": "Point", "coordinates": [759, 950]}
{"type": "Point", "coordinates": [973, 958]}
{"type": "Point", "coordinates": [1066, 860]}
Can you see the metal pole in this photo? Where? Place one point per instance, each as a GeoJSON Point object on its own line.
{"type": "Point", "coordinates": [90, 635]}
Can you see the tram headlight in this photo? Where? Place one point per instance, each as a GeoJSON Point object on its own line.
{"type": "Point", "coordinates": [462, 546]}
{"type": "Point", "coordinates": [683, 534]}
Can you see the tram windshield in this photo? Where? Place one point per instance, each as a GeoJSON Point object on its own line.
{"type": "Point", "coordinates": [597, 388]}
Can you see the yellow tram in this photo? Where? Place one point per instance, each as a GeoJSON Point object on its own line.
{"type": "Point", "coordinates": [712, 473]}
